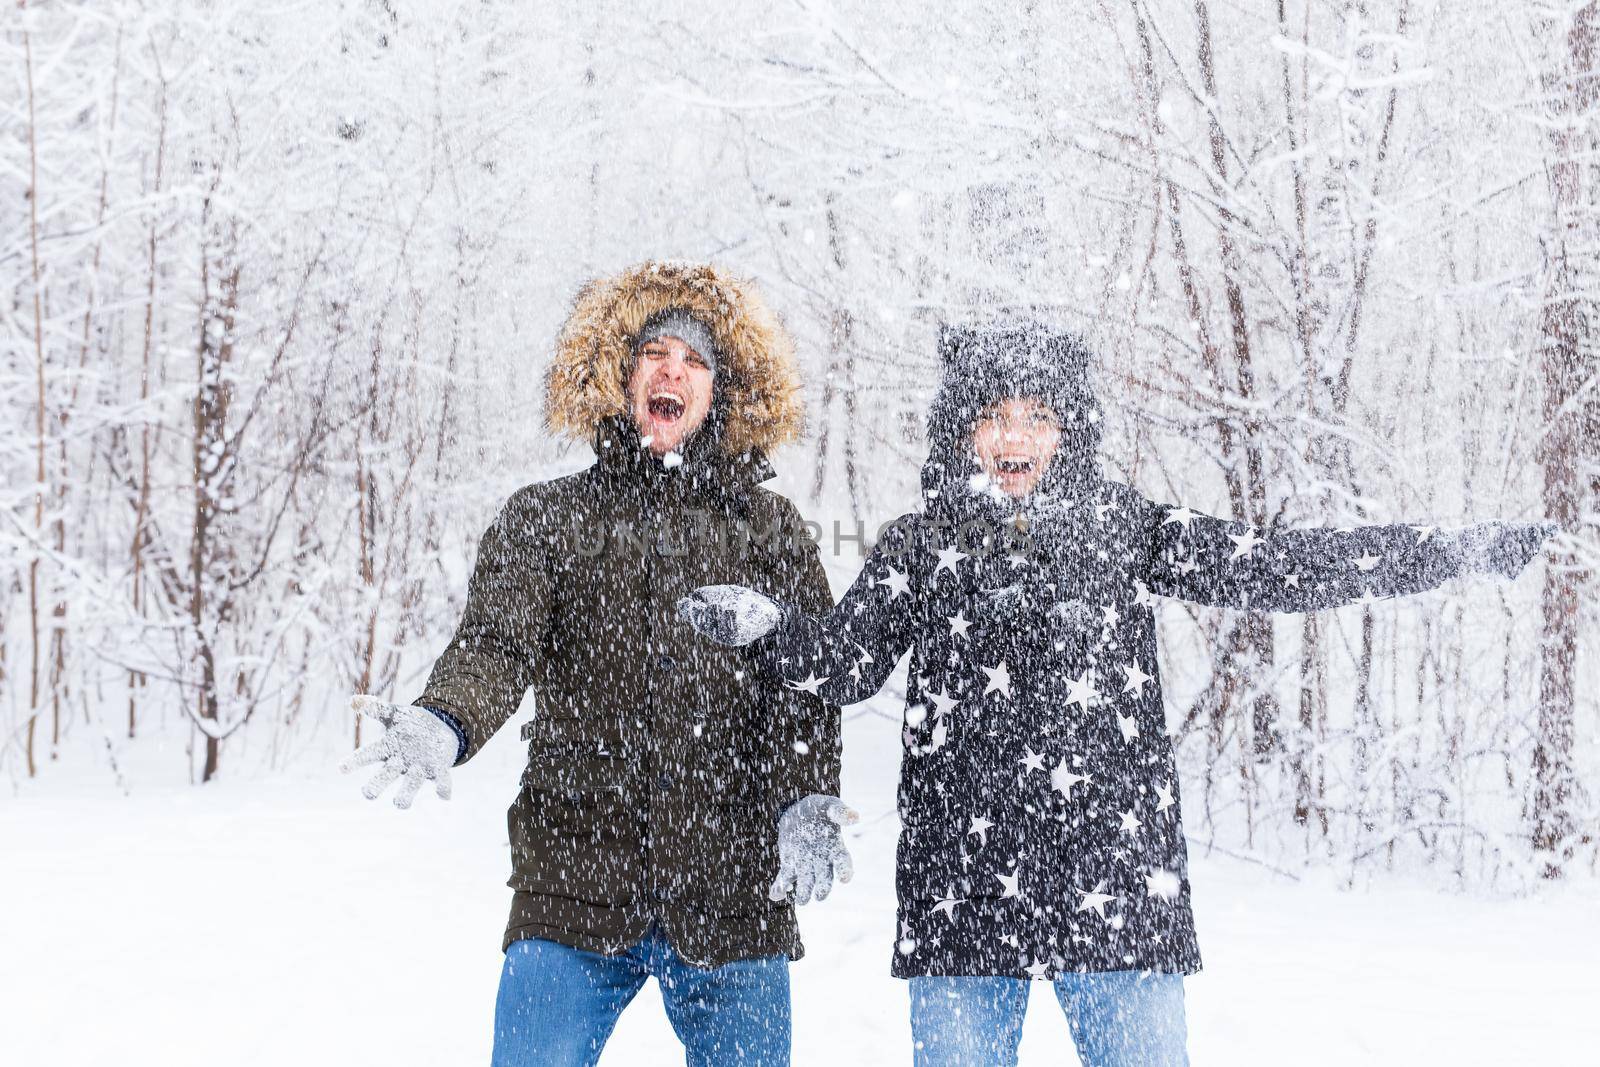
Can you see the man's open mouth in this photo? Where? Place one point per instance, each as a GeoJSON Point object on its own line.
{"type": "Point", "coordinates": [1014, 465]}
{"type": "Point", "coordinates": [666, 407]}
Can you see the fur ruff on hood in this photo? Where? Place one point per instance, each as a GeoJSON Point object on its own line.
{"type": "Point", "coordinates": [757, 373]}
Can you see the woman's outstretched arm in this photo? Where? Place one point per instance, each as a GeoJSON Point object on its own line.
{"type": "Point", "coordinates": [843, 655]}
{"type": "Point", "coordinates": [1232, 564]}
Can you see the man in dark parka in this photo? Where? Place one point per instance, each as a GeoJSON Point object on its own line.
{"type": "Point", "coordinates": [645, 836]}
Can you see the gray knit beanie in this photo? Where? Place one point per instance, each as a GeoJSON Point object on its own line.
{"type": "Point", "coordinates": [676, 322]}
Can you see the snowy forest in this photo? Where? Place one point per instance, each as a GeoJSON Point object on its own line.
{"type": "Point", "coordinates": [281, 280]}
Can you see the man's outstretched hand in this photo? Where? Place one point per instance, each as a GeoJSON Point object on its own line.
{"type": "Point", "coordinates": [811, 850]}
{"type": "Point", "coordinates": [730, 614]}
{"type": "Point", "coordinates": [416, 746]}
{"type": "Point", "coordinates": [1501, 548]}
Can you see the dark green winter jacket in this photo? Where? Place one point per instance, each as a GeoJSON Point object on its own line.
{"type": "Point", "coordinates": [657, 764]}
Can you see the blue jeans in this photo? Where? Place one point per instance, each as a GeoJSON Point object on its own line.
{"type": "Point", "coordinates": [1117, 1019]}
{"type": "Point", "coordinates": [558, 1005]}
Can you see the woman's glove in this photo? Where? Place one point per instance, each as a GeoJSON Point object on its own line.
{"type": "Point", "coordinates": [730, 614]}
{"type": "Point", "coordinates": [1502, 548]}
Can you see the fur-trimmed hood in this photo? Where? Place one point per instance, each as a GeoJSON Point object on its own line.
{"type": "Point", "coordinates": [759, 379]}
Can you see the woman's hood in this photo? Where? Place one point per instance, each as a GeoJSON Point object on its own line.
{"type": "Point", "coordinates": [987, 363]}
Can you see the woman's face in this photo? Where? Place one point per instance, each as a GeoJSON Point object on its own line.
{"type": "Point", "coordinates": [1015, 440]}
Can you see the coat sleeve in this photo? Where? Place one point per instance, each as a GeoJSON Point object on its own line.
{"type": "Point", "coordinates": [845, 653]}
{"type": "Point", "coordinates": [803, 740]}
{"type": "Point", "coordinates": [483, 673]}
{"type": "Point", "coordinates": [1232, 564]}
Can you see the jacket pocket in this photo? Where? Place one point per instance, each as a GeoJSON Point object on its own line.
{"type": "Point", "coordinates": [929, 865]}
{"type": "Point", "coordinates": [569, 738]}
{"type": "Point", "coordinates": [573, 833]}
{"type": "Point", "coordinates": [740, 861]}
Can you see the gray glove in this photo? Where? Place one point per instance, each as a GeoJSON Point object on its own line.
{"type": "Point", "coordinates": [730, 614]}
{"type": "Point", "coordinates": [811, 851]}
{"type": "Point", "coordinates": [415, 745]}
{"type": "Point", "coordinates": [1502, 548]}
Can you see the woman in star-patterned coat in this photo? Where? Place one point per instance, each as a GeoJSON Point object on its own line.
{"type": "Point", "coordinates": [1039, 797]}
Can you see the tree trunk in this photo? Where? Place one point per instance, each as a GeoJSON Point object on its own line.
{"type": "Point", "coordinates": [211, 399]}
{"type": "Point", "coordinates": [34, 694]}
{"type": "Point", "coordinates": [1313, 699]}
{"type": "Point", "coordinates": [841, 362]}
{"type": "Point", "coordinates": [1261, 654]}
{"type": "Point", "coordinates": [136, 678]}
{"type": "Point", "coordinates": [1567, 365]}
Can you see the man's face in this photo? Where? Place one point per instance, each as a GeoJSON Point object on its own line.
{"type": "Point", "coordinates": [1015, 440]}
{"type": "Point", "coordinates": [670, 393]}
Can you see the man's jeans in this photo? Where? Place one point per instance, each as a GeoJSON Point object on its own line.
{"type": "Point", "coordinates": [558, 1005]}
{"type": "Point", "coordinates": [1117, 1019]}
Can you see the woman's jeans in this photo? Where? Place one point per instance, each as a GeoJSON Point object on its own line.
{"type": "Point", "coordinates": [1117, 1019]}
{"type": "Point", "coordinates": [558, 1005]}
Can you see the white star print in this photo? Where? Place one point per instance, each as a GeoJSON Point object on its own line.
{"type": "Point", "coordinates": [810, 685]}
{"type": "Point", "coordinates": [866, 657]}
{"type": "Point", "coordinates": [896, 582]}
{"type": "Point", "coordinates": [980, 826]}
{"type": "Point", "coordinates": [1182, 516]}
{"type": "Point", "coordinates": [1032, 761]}
{"type": "Point", "coordinates": [1164, 796]}
{"type": "Point", "coordinates": [1100, 511]}
{"type": "Point", "coordinates": [1095, 901]}
{"type": "Point", "coordinates": [948, 904]}
{"type": "Point", "coordinates": [1128, 725]}
{"type": "Point", "coordinates": [948, 558]}
{"type": "Point", "coordinates": [1291, 581]}
{"type": "Point", "coordinates": [1037, 970]}
{"type": "Point", "coordinates": [1130, 822]}
{"type": "Point", "coordinates": [1136, 680]}
{"type": "Point", "coordinates": [1186, 566]}
{"type": "Point", "coordinates": [958, 625]}
{"type": "Point", "coordinates": [1142, 597]}
{"type": "Point", "coordinates": [1245, 543]}
{"type": "Point", "coordinates": [999, 680]}
{"type": "Point", "coordinates": [1111, 616]}
{"type": "Point", "coordinates": [1081, 690]}
{"type": "Point", "coordinates": [1062, 780]}
{"type": "Point", "coordinates": [1367, 562]}
{"type": "Point", "coordinates": [942, 703]}
{"type": "Point", "coordinates": [1424, 532]}
{"type": "Point", "coordinates": [1009, 882]}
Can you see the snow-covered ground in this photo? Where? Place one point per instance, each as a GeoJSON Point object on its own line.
{"type": "Point", "coordinates": [287, 920]}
